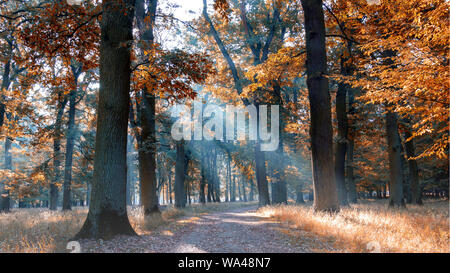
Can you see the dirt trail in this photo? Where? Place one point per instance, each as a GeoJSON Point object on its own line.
{"type": "Point", "coordinates": [237, 230]}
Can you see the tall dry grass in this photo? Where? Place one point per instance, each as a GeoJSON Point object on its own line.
{"type": "Point", "coordinates": [39, 230]}
{"type": "Point", "coordinates": [371, 227]}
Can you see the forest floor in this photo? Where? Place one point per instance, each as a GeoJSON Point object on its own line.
{"type": "Point", "coordinates": [241, 229]}
{"type": "Point", "coordinates": [368, 226]}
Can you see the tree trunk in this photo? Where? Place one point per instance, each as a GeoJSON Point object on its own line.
{"type": "Point", "coordinates": [252, 191]}
{"type": "Point", "coordinates": [299, 192]}
{"type": "Point", "coordinates": [147, 163]}
{"type": "Point", "coordinates": [325, 192]}
{"type": "Point", "coordinates": [108, 211]}
{"type": "Point", "coordinates": [69, 153]}
{"type": "Point", "coordinates": [395, 161]}
{"type": "Point", "coordinates": [180, 194]}
{"type": "Point", "coordinates": [227, 186]}
{"type": "Point", "coordinates": [280, 184]}
{"type": "Point", "coordinates": [201, 191]}
{"type": "Point", "coordinates": [130, 182]}
{"type": "Point", "coordinates": [233, 187]}
{"type": "Point", "coordinates": [57, 154]}
{"type": "Point", "coordinates": [341, 145]}
{"type": "Point", "coordinates": [170, 188]}
{"type": "Point", "coordinates": [243, 188]}
{"type": "Point", "coordinates": [263, 189]}
{"type": "Point", "coordinates": [5, 204]}
{"type": "Point", "coordinates": [352, 194]}
{"type": "Point", "coordinates": [147, 150]}
{"type": "Point", "coordinates": [416, 196]}
{"type": "Point", "coordinates": [4, 194]}
{"type": "Point", "coordinates": [239, 190]}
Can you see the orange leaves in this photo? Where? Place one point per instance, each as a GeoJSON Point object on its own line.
{"type": "Point", "coordinates": [171, 74]}
{"type": "Point", "coordinates": [69, 32]}
{"type": "Point", "coordinates": [222, 7]}
{"type": "Point", "coordinates": [414, 81]}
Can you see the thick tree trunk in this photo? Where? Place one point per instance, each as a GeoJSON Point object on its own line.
{"type": "Point", "coordinates": [263, 189]}
{"type": "Point", "coordinates": [57, 155]}
{"type": "Point", "coordinates": [325, 192]}
{"type": "Point", "coordinates": [147, 162]}
{"type": "Point", "coordinates": [69, 153]}
{"type": "Point", "coordinates": [108, 212]}
{"type": "Point", "coordinates": [71, 131]}
{"type": "Point", "coordinates": [416, 196]}
{"type": "Point", "coordinates": [341, 145]}
{"type": "Point", "coordinates": [145, 16]}
{"type": "Point", "coordinates": [280, 182]}
{"type": "Point", "coordinates": [180, 194]}
{"type": "Point", "coordinates": [395, 161]}
{"type": "Point", "coordinates": [352, 194]}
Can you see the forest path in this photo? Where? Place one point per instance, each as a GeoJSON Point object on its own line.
{"type": "Point", "coordinates": [232, 231]}
{"type": "Point", "coordinates": [238, 230]}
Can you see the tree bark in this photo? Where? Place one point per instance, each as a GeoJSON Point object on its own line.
{"type": "Point", "coordinates": [252, 191]}
{"type": "Point", "coordinates": [107, 214]}
{"type": "Point", "coordinates": [6, 81]}
{"type": "Point", "coordinates": [280, 184]}
{"type": "Point", "coordinates": [325, 192]}
{"type": "Point", "coordinates": [180, 194]}
{"type": "Point", "coordinates": [57, 154]}
{"type": "Point", "coordinates": [233, 187]}
{"type": "Point", "coordinates": [341, 145]}
{"type": "Point", "coordinates": [147, 163]}
{"type": "Point", "coordinates": [203, 180]}
{"type": "Point", "coordinates": [299, 193]}
{"type": "Point", "coordinates": [416, 196]}
{"type": "Point", "coordinates": [227, 186]}
{"type": "Point", "coordinates": [239, 189]}
{"type": "Point", "coordinates": [395, 161]}
{"type": "Point", "coordinates": [70, 142]}
{"type": "Point", "coordinates": [263, 188]}
{"type": "Point", "coordinates": [5, 204]}
{"type": "Point", "coordinates": [145, 16]}
{"type": "Point", "coordinates": [352, 194]}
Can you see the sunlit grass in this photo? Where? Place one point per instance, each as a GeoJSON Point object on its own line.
{"type": "Point", "coordinates": [39, 230]}
{"type": "Point", "coordinates": [365, 226]}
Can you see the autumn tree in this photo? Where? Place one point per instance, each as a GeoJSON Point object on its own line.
{"type": "Point", "coordinates": [325, 192]}
{"type": "Point", "coordinates": [107, 214]}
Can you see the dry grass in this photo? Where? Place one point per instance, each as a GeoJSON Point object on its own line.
{"type": "Point", "coordinates": [372, 227]}
{"type": "Point", "coordinates": [38, 230]}
{"type": "Point", "coordinates": [41, 230]}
